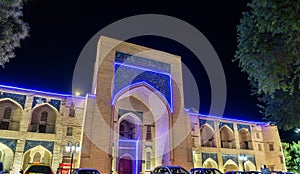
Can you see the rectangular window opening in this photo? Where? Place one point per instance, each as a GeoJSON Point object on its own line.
{"type": "Point", "coordinates": [70, 131]}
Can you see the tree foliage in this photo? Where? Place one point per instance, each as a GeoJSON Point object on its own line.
{"type": "Point", "coordinates": [12, 28]}
{"type": "Point", "coordinates": [291, 153]}
{"type": "Point", "coordinates": [269, 52]}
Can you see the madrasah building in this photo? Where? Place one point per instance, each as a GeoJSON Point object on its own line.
{"type": "Point", "coordinates": [132, 121]}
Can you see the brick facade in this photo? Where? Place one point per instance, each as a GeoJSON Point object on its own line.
{"type": "Point", "coordinates": [134, 120]}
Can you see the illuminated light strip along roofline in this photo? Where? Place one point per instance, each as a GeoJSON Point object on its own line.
{"type": "Point", "coordinates": [37, 91]}
{"type": "Point", "coordinates": [91, 95]}
{"type": "Point", "coordinates": [228, 119]}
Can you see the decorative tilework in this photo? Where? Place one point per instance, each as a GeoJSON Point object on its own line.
{"type": "Point", "coordinates": [11, 143]}
{"type": "Point", "coordinates": [241, 126]}
{"type": "Point", "coordinates": [128, 75]}
{"type": "Point", "coordinates": [55, 103]}
{"type": "Point", "coordinates": [19, 98]}
{"type": "Point", "coordinates": [233, 157]}
{"type": "Point", "coordinates": [209, 122]}
{"type": "Point", "coordinates": [142, 62]}
{"type": "Point", "coordinates": [213, 156]}
{"type": "Point", "coordinates": [39, 100]}
{"type": "Point", "coordinates": [126, 150]}
{"type": "Point", "coordinates": [137, 113]}
{"type": "Point", "coordinates": [128, 146]}
{"type": "Point", "coordinates": [230, 125]}
{"type": "Point", "coordinates": [31, 143]}
{"type": "Point", "coordinates": [249, 157]}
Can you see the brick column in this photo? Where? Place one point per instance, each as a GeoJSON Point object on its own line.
{"type": "Point", "coordinates": [18, 159]}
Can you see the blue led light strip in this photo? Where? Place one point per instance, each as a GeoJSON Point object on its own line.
{"type": "Point", "coordinates": [227, 119]}
{"type": "Point", "coordinates": [36, 91]}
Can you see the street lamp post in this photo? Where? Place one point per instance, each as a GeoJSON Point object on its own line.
{"type": "Point", "coordinates": [243, 158]}
{"type": "Point", "coordinates": [73, 148]}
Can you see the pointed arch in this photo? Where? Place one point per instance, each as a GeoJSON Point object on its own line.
{"type": "Point", "coordinates": [126, 164]}
{"type": "Point", "coordinates": [13, 101]}
{"type": "Point", "coordinates": [125, 90]}
{"type": "Point", "coordinates": [44, 104]}
{"type": "Point", "coordinates": [207, 135]}
{"type": "Point", "coordinates": [43, 119]}
{"type": "Point", "coordinates": [131, 116]}
{"type": "Point", "coordinates": [37, 157]}
{"type": "Point", "coordinates": [210, 163]}
{"type": "Point", "coordinates": [245, 139]}
{"type": "Point", "coordinates": [10, 114]}
{"type": "Point", "coordinates": [127, 156]}
{"type": "Point", "coordinates": [154, 105]}
{"type": "Point", "coordinates": [7, 156]}
{"type": "Point", "coordinates": [249, 166]}
{"type": "Point", "coordinates": [131, 126]}
{"type": "Point", "coordinates": [227, 137]}
{"type": "Point", "coordinates": [37, 153]}
{"type": "Point", "coordinates": [230, 165]}
{"type": "Point", "coordinates": [7, 112]}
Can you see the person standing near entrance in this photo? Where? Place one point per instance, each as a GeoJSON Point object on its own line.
{"type": "Point", "coordinates": [265, 170]}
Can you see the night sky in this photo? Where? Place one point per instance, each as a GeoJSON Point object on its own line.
{"type": "Point", "coordinates": [60, 29]}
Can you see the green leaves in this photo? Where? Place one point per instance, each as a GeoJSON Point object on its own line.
{"type": "Point", "coordinates": [269, 52]}
{"type": "Point", "coordinates": [267, 44]}
{"type": "Point", "coordinates": [291, 153]}
{"type": "Point", "coordinates": [12, 28]}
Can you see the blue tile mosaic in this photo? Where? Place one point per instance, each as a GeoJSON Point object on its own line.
{"type": "Point", "coordinates": [209, 122]}
{"type": "Point", "coordinates": [11, 143]}
{"type": "Point", "coordinates": [55, 103]}
{"type": "Point", "coordinates": [128, 75]}
{"type": "Point", "coordinates": [142, 62]}
{"type": "Point", "coordinates": [241, 126]}
{"type": "Point", "coordinates": [230, 125]}
{"type": "Point", "coordinates": [249, 157]}
{"type": "Point", "coordinates": [39, 100]}
{"type": "Point", "coordinates": [233, 157]}
{"type": "Point", "coordinates": [32, 143]}
{"type": "Point", "coordinates": [213, 156]}
{"type": "Point", "coordinates": [19, 98]}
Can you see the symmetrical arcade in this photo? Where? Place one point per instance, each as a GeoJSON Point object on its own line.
{"type": "Point", "coordinates": [132, 121]}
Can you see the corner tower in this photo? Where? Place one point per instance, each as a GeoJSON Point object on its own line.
{"type": "Point", "coordinates": [136, 119]}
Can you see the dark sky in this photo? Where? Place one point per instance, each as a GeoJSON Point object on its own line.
{"type": "Point", "coordinates": [60, 29]}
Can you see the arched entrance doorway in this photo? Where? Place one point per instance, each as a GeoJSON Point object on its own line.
{"type": "Point", "coordinates": [207, 135]}
{"type": "Point", "coordinates": [37, 154]}
{"type": "Point", "coordinates": [249, 166]}
{"type": "Point", "coordinates": [227, 137]}
{"type": "Point", "coordinates": [140, 114]}
{"type": "Point", "coordinates": [6, 156]}
{"type": "Point", "coordinates": [129, 137]}
{"type": "Point", "coordinates": [230, 166]}
{"type": "Point", "coordinates": [125, 165]}
{"type": "Point", "coordinates": [210, 163]}
{"type": "Point", "coordinates": [245, 139]}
